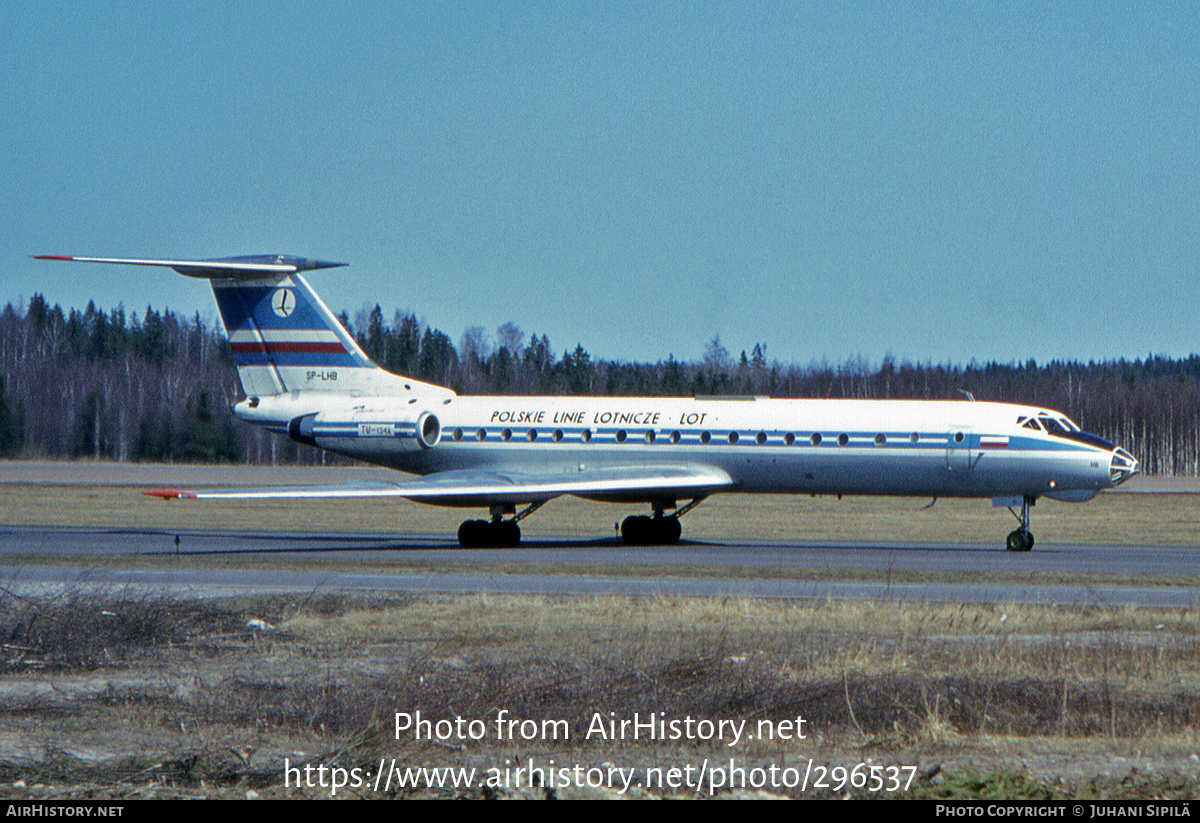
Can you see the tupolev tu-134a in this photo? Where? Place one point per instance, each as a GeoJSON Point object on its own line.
{"type": "Point", "coordinates": [305, 377]}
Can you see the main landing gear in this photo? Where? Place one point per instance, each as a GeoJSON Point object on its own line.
{"type": "Point", "coordinates": [659, 530]}
{"type": "Point", "coordinates": [497, 533]}
{"type": "Point", "coordinates": [640, 530]}
{"type": "Point", "coordinates": [484, 534]}
{"type": "Point", "coordinates": [1021, 540]}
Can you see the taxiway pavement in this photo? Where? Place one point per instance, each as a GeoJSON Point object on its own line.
{"type": "Point", "coordinates": [220, 564]}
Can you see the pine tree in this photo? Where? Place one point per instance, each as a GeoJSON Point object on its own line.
{"type": "Point", "coordinates": [12, 425]}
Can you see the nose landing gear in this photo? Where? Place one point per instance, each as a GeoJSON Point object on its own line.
{"type": "Point", "coordinates": [1021, 540]}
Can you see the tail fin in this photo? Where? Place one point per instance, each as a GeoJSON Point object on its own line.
{"type": "Point", "coordinates": [284, 339]}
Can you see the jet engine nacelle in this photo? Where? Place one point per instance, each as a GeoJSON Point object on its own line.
{"type": "Point", "coordinates": [429, 430]}
{"type": "Point", "coordinates": [369, 431]}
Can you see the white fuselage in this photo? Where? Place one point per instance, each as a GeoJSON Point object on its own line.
{"type": "Point", "coordinates": [869, 447]}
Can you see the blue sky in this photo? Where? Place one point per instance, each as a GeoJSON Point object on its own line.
{"type": "Point", "coordinates": [942, 182]}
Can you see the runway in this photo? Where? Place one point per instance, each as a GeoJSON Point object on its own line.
{"type": "Point", "coordinates": [221, 564]}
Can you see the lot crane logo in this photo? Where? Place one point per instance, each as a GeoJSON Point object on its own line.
{"type": "Point", "coordinates": [283, 302]}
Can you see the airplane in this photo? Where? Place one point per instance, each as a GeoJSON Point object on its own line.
{"type": "Point", "coordinates": [305, 377]}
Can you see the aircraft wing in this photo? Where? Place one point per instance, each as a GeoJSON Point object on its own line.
{"type": "Point", "coordinates": [475, 487]}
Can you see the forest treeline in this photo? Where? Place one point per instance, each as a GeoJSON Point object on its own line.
{"type": "Point", "coordinates": [157, 386]}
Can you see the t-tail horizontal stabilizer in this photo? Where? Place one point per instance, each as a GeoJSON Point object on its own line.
{"type": "Point", "coordinates": [252, 265]}
{"type": "Point", "coordinates": [284, 339]}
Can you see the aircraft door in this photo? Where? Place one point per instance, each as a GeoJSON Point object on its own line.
{"type": "Point", "coordinates": [958, 450]}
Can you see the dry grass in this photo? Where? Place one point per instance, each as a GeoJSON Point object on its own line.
{"type": "Point", "coordinates": [914, 683]}
{"type": "Point", "coordinates": [187, 696]}
{"type": "Point", "coordinates": [1150, 650]}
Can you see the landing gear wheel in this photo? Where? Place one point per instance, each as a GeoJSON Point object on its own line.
{"type": "Point", "coordinates": [640, 530]}
{"type": "Point", "coordinates": [671, 530]}
{"type": "Point", "coordinates": [1020, 541]}
{"type": "Point", "coordinates": [476, 534]}
{"type": "Point", "coordinates": [635, 530]}
{"type": "Point", "coordinates": [471, 533]}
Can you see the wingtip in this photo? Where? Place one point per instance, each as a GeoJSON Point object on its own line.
{"type": "Point", "coordinates": [324, 264]}
{"type": "Point", "coordinates": [171, 494]}
{"type": "Point", "coordinates": [51, 257]}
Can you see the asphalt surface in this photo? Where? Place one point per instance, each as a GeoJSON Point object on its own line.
{"type": "Point", "coordinates": [220, 564]}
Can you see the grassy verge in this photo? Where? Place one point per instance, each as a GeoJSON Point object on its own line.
{"type": "Point", "coordinates": [153, 697]}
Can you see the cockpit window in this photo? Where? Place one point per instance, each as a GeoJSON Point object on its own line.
{"type": "Point", "coordinates": [1063, 427]}
{"type": "Point", "coordinates": [1053, 426]}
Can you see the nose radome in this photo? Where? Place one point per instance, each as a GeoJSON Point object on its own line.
{"type": "Point", "coordinates": [1122, 467]}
